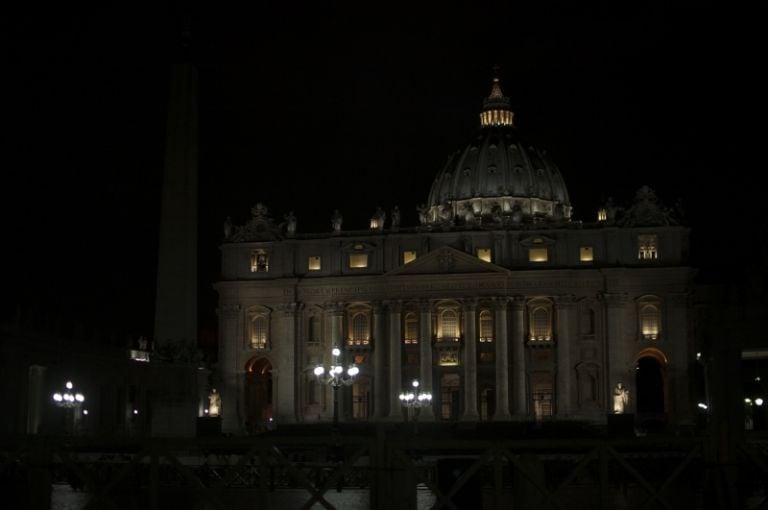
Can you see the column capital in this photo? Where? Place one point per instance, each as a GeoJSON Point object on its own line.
{"type": "Point", "coordinates": [425, 305]}
{"type": "Point", "coordinates": [614, 299]}
{"type": "Point", "coordinates": [229, 309]}
{"type": "Point", "coordinates": [288, 308]}
{"type": "Point", "coordinates": [334, 307]}
{"type": "Point", "coordinates": [393, 305]}
{"type": "Point", "coordinates": [565, 301]}
{"type": "Point", "coordinates": [517, 302]}
{"type": "Point", "coordinates": [501, 302]}
{"type": "Point", "coordinates": [378, 306]}
{"type": "Point", "coordinates": [470, 304]}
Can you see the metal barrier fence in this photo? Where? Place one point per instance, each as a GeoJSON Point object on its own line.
{"type": "Point", "coordinates": [385, 469]}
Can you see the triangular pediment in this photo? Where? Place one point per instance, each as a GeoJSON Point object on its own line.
{"type": "Point", "coordinates": [447, 260]}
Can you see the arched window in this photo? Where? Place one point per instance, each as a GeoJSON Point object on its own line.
{"type": "Point", "coordinates": [411, 329]}
{"type": "Point", "coordinates": [486, 326]}
{"type": "Point", "coordinates": [541, 324]}
{"type": "Point", "coordinates": [360, 330]}
{"type": "Point", "coordinates": [449, 326]}
{"type": "Point", "coordinates": [259, 332]}
{"type": "Point", "coordinates": [650, 321]}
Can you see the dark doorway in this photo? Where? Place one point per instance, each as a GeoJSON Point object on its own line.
{"type": "Point", "coordinates": [258, 395]}
{"type": "Point", "coordinates": [650, 387]}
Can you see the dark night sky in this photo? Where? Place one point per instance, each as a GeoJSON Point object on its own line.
{"type": "Point", "coordinates": [313, 111]}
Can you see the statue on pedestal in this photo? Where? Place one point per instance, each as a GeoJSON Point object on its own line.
{"type": "Point", "coordinates": [214, 403]}
{"type": "Point", "coordinates": [336, 220]}
{"type": "Point", "coordinates": [620, 399]}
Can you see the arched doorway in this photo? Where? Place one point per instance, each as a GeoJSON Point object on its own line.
{"type": "Point", "coordinates": [258, 394]}
{"type": "Point", "coordinates": [649, 384]}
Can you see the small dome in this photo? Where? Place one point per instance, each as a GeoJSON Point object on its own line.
{"type": "Point", "coordinates": [498, 177]}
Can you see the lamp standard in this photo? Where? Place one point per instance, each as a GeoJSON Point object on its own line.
{"type": "Point", "coordinates": [415, 399]}
{"type": "Point", "coordinates": [336, 377]}
{"type": "Point", "coordinates": [68, 400]}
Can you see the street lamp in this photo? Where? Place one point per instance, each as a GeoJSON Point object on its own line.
{"type": "Point", "coordinates": [68, 400]}
{"type": "Point", "coordinates": [415, 399]}
{"type": "Point", "coordinates": [336, 377]}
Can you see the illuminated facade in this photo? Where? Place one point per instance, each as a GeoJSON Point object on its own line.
{"type": "Point", "coordinates": [498, 302]}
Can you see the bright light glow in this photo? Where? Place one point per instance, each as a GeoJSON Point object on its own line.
{"type": "Point", "coordinates": [69, 385]}
{"type": "Point", "coordinates": [319, 371]}
{"type": "Point", "coordinates": [415, 383]}
{"type": "Point", "coordinates": [135, 411]}
{"type": "Point", "coordinates": [313, 263]}
{"type": "Point", "coordinates": [602, 214]}
{"type": "Point", "coordinates": [85, 412]}
{"type": "Point", "coordinates": [759, 401]}
{"type": "Point", "coordinates": [538, 254]}
{"type": "Point", "coordinates": [205, 411]}
{"type": "Point", "coordinates": [698, 355]}
{"type": "Point", "coordinates": [57, 397]}
{"type": "Point", "coordinates": [138, 355]}
{"type": "Point", "coordinates": [338, 369]}
{"type": "Point", "coordinates": [374, 223]}
{"type": "Point", "coordinates": [79, 397]}
{"type": "Point", "coordinates": [702, 405]}
{"type": "Point", "coordinates": [336, 351]}
{"type": "Point", "coordinates": [586, 254]}
{"type": "Point", "coordinates": [647, 248]}
{"type": "Point", "coordinates": [358, 260]}
{"type": "Point", "coordinates": [484, 254]}
{"type": "Point", "coordinates": [409, 256]}
{"type": "Point", "coordinates": [747, 400]}
{"type": "Point", "coordinates": [757, 379]}
{"type": "Point", "coordinates": [353, 371]}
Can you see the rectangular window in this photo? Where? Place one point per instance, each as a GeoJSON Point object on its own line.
{"type": "Point", "coordinates": [411, 329]}
{"type": "Point", "coordinates": [647, 247]}
{"type": "Point", "coordinates": [586, 254]}
{"type": "Point", "coordinates": [484, 254]}
{"type": "Point", "coordinates": [259, 332]}
{"type": "Point", "coordinates": [358, 260]}
{"type": "Point", "coordinates": [538, 254]}
{"type": "Point", "coordinates": [409, 256]}
{"type": "Point", "coordinates": [313, 263]}
{"type": "Point", "coordinates": [259, 261]}
{"type": "Point", "coordinates": [486, 326]}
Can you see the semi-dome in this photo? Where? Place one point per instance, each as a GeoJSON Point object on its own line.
{"type": "Point", "coordinates": [498, 177]}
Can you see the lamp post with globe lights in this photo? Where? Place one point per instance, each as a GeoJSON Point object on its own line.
{"type": "Point", "coordinates": [336, 376]}
{"type": "Point", "coordinates": [69, 399]}
{"type": "Point", "coordinates": [415, 399]}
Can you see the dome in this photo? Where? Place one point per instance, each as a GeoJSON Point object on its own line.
{"type": "Point", "coordinates": [498, 177]}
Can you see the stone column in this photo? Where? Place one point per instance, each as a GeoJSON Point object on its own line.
{"type": "Point", "coordinates": [425, 355]}
{"type": "Point", "coordinates": [519, 395]}
{"type": "Point", "coordinates": [285, 353]}
{"type": "Point", "coordinates": [395, 360]}
{"type": "Point", "coordinates": [566, 337]}
{"type": "Point", "coordinates": [675, 341]}
{"type": "Point", "coordinates": [470, 360]}
{"type": "Point", "coordinates": [230, 342]}
{"type": "Point", "coordinates": [380, 359]}
{"type": "Point", "coordinates": [619, 349]}
{"type": "Point", "coordinates": [502, 361]}
{"type": "Point", "coordinates": [36, 398]}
